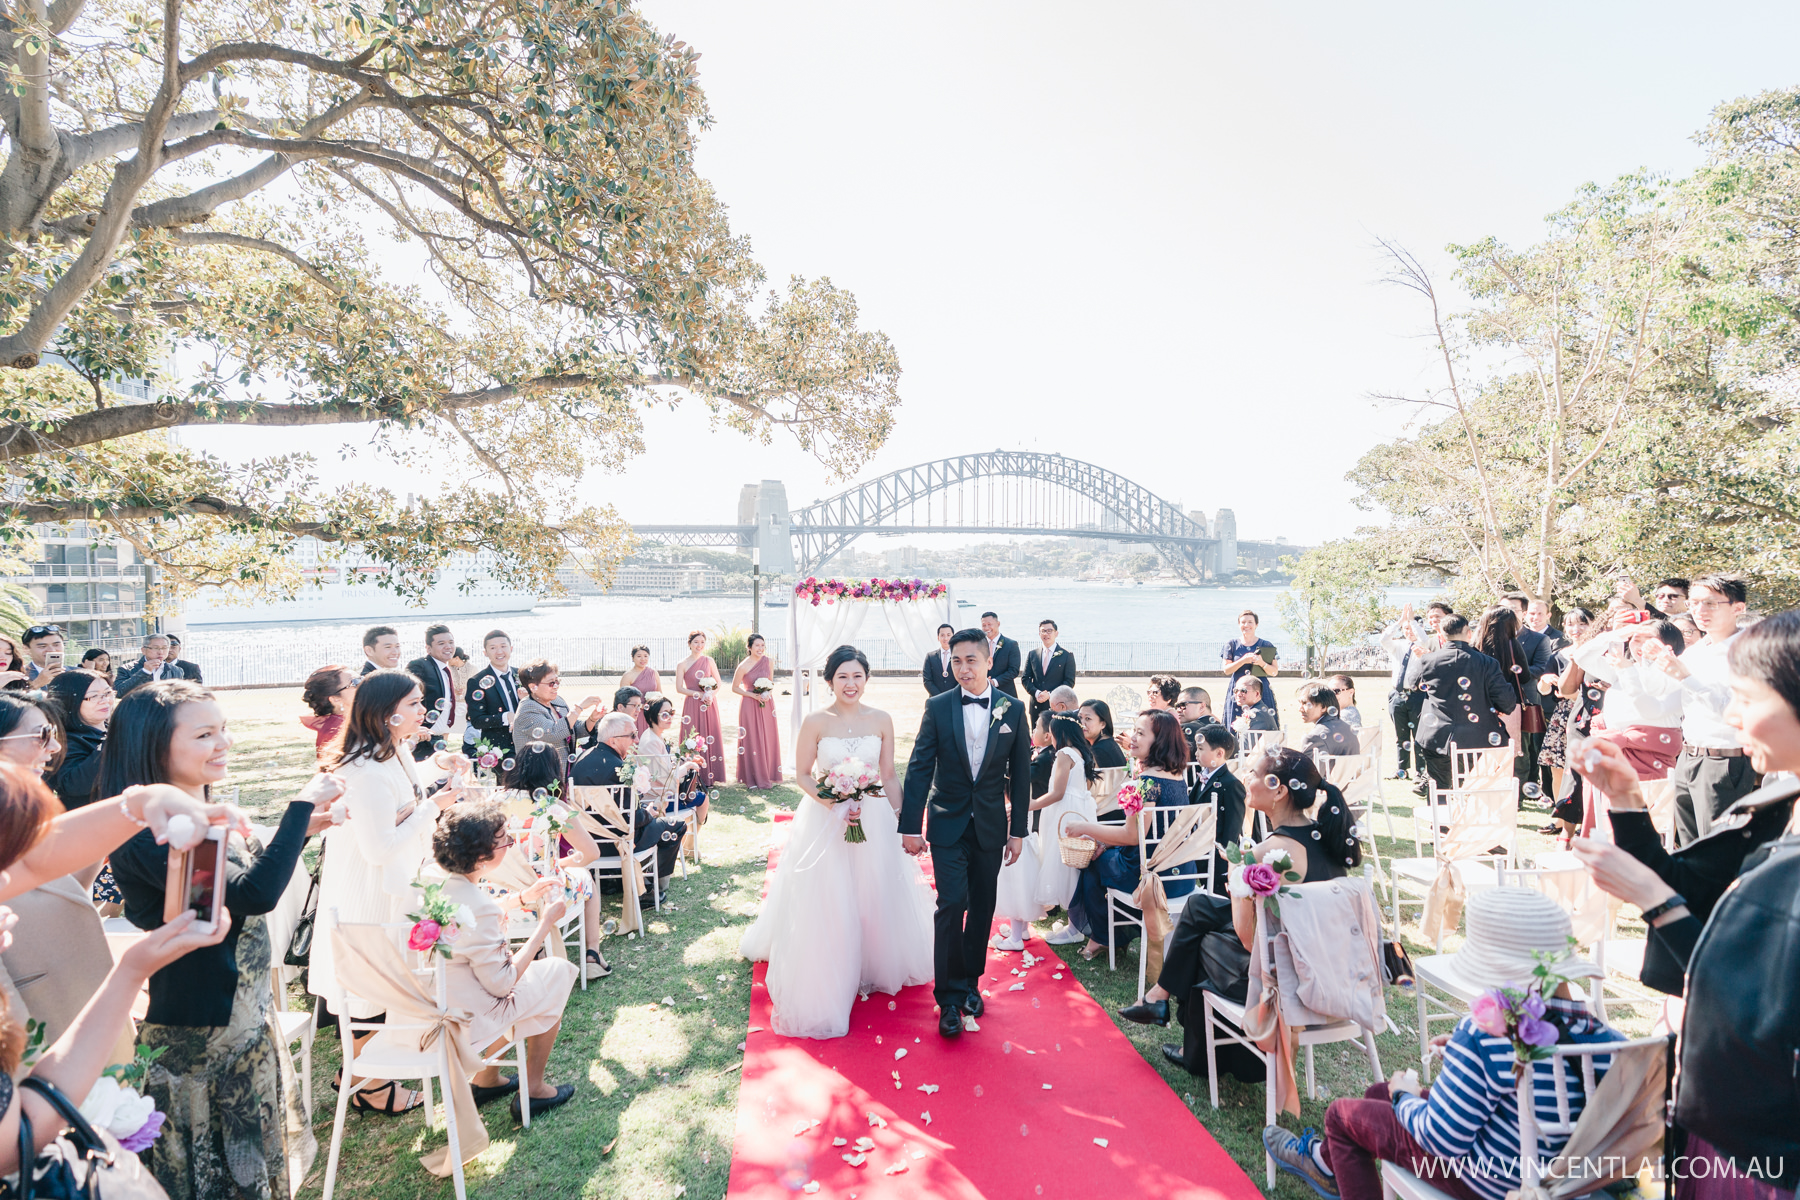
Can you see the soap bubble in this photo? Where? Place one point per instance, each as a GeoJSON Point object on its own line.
{"type": "Point", "coordinates": [1316, 835]}
{"type": "Point", "coordinates": [487, 681]}
{"type": "Point", "coordinates": [537, 733]}
{"type": "Point", "coordinates": [978, 1089]}
{"type": "Point", "coordinates": [1034, 1002]}
{"type": "Point", "coordinates": [1024, 1131]}
{"type": "Point", "coordinates": [1664, 737]}
{"type": "Point", "coordinates": [892, 1006]}
{"type": "Point", "coordinates": [1517, 669]}
{"type": "Point", "coordinates": [1006, 1047]}
{"type": "Point", "coordinates": [1493, 739]}
{"type": "Point", "coordinates": [478, 694]}
{"type": "Point", "coordinates": [508, 764]}
{"type": "Point", "coordinates": [1465, 698]}
{"type": "Point", "coordinates": [540, 795]}
{"type": "Point", "coordinates": [395, 719]}
{"type": "Point", "coordinates": [1463, 682]}
{"type": "Point", "coordinates": [1532, 791]}
{"type": "Point", "coordinates": [1271, 781]}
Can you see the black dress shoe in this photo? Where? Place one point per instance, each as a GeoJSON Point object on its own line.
{"type": "Point", "coordinates": [485, 1094]}
{"type": "Point", "coordinates": [1147, 1012]}
{"type": "Point", "coordinates": [1174, 1055]}
{"type": "Point", "coordinates": [974, 1005]}
{"type": "Point", "coordinates": [544, 1104]}
{"type": "Point", "coordinates": [950, 1022]}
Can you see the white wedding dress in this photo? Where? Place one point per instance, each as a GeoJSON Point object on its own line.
{"type": "Point", "coordinates": [841, 917]}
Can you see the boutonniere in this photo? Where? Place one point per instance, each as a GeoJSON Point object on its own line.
{"type": "Point", "coordinates": [1001, 704]}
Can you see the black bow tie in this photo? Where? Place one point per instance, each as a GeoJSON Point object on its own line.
{"type": "Point", "coordinates": [981, 700]}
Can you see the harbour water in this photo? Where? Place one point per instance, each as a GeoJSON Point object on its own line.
{"type": "Point", "coordinates": [1107, 626]}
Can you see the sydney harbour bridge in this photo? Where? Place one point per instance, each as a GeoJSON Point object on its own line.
{"type": "Point", "coordinates": [1013, 492]}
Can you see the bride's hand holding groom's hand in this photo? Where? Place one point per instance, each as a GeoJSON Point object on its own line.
{"type": "Point", "coordinates": [912, 843]}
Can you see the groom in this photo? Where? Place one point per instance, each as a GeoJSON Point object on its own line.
{"type": "Point", "coordinates": [973, 752]}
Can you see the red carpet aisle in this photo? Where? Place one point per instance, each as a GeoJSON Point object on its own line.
{"type": "Point", "coordinates": [1016, 1109]}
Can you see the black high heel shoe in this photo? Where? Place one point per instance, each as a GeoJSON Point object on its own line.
{"type": "Point", "coordinates": [1147, 1012]}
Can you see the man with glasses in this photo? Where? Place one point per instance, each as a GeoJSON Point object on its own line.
{"type": "Point", "coordinates": [44, 645]}
{"type": "Point", "coordinates": [1671, 595]}
{"type": "Point", "coordinates": [186, 670]}
{"type": "Point", "coordinates": [1047, 669]}
{"type": "Point", "coordinates": [1194, 711]}
{"type": "Point", "coordinates": [1254, 709]}
{"type": "Point", "coordinates": [153, 667]}
{"type": "Point", "coordinates": [1713, 772]}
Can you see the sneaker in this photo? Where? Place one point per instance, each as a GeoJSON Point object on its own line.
{"type": "Point", "coordinates": [1293, 1154]}
{"type": "Point", "coordinates": [1066, 935]}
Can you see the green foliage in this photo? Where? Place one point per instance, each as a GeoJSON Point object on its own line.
{"type": "Point", "coordinates": [1335, 598]}
{"type": "Point", "coordinates": [729, 645]}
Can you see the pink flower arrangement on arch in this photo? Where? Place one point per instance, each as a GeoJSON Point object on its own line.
{"type": "Point", "coordinates": [829, 591]}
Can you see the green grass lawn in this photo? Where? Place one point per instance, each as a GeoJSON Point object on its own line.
{"type": "Point", "coordinates": [658, 1083]}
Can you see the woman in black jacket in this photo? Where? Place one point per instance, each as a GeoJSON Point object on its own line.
{"type": "Point", "coordinates": [85, 700]}
{"type": "Point", "coordinates": [1737, 1099]}
{"type": "Point", "coordinates": [212, 1011]}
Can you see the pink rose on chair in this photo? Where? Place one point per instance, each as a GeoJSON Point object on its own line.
{"type": "Point", "coordinates": [1488, 1013]}
{"type": "Point", "coordinates": [424, 935]}
{"type": "Point", "coordinates": [1261, 879]}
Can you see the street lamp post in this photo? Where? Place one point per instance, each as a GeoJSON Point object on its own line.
{"type": "Point", "coordinates": [756, 589]}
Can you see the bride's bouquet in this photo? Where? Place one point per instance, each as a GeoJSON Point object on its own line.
{"type": "Point", "coordinates": [848, 782]}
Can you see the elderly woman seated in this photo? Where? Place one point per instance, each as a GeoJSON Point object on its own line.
{"type": "Point", "coordinates": [508, 993]}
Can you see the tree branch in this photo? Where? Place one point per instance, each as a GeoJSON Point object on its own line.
{"type": "Point", "coordinates": [87, 148]}
{"type": "Point", "coordinates": [189, 237]}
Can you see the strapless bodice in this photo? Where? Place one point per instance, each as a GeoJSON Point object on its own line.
{"type": "Point", "coordinates": [834, 750]}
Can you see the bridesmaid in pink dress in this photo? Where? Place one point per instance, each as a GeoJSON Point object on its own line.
{"type": "Point", "coordinates": [759, 742]}
{"type": "Point", "coordinates": [643, 677]}
{"type": "Point", "coordinates": [699, 712]}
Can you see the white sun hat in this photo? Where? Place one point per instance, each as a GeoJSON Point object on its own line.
{"type": "Point", "coordinates": [1506, 925]}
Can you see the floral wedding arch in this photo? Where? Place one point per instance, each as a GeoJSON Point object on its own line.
{"type": "Point", "coordinates": [827, 613]}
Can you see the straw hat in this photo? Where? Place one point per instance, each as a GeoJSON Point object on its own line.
{"type": "Point", "coordinates": [1506, 924]}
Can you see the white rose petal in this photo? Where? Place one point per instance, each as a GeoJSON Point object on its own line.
{"type": "Point", "coordinates": [926, 1117]}
{"type": "Point", "coordinates": [1017, 987]}
{"type": "Point", "coordinates": [102, 1099]}
{"type": "Point", "coordinates": [898, 1168]}
{"type": "Point", "coordinates": [1100, 1142]}
{"type": "Point", "coordinates": [899, 1054]}
{"type": "Point", "coordinates": [840, 1141]}
{"type": "Point", "coordinates": [928, 1088]}
{"type": "Point", "coordinates": [810, 1188]}
{"type": "Point", "coordinates": [855, 1160]}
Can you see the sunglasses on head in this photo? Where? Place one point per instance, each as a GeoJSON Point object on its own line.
{"type": "Point", "coordinates": [38, 631]}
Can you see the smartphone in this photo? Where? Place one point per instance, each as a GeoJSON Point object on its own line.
{"type": "Point", "coordinates": [197, 881]}
{"type": "Point", "coordinates": [53, 659]}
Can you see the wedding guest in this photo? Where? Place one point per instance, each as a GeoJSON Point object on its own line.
{"type": "Point", "coordinates": [700, 711]}
{"type": "Point", "coordinates": [1003, 652]}
{"type": "Point", "coordinates": [327, 692]}
{"type": "Point", "coordinates": [492, 695]}
{"type": "Point", "coordinates": [1097, 727]}
{"type": "Point", "coordinates": [759, 741]}
{"type": "Point", "coordinates": [1564, 682]}
{"type": "Point", "coordinates": [1162, 756]}
{"type": "Point", "coordinates": [1162, 692]}
{"type": "Point", "coordinates": [381, 649]}
{"type": "Point", "coordinates": [1734, 1095]}
{"type": "Point", "coordinates": [1244, 655]}
{"type": "Point", "coordinates": [1251, 701]}
{"type": "Point", "coordinates": [233, 1130]}
{"type": "Point", "coordinates": [1344, 688]}
{"type": "Point", "coordinates": [81, 1041]}
{"type": "Point", "coordinates": [1691, 633]}
{"type": "Point", "coordinates": [369, 862]}
{"type": "Point", "coordinates": [1194, 711]}
{"type": "Point", "coordinates": [604, 766]}
{"type": "Point", "coordinates": [1325, 731]}
{"type": "Point", "coordinates": [95, 659]}
{"type": "Point", "coordinates": [85, 701]}
{"type": "Point", "coordinates": [1522, 656]}
{"type": "Point", "coordinates": [1448, 720]}
{"type": "Point", "coordinates": [535, 870]}
{"type": "Point", "coordinates": [642, 676]}
{"type": "Point", "coordinates": [1047, 669]}
{"type": "Point", "coordinates": [153, 667]}
{"type": "Point", "coordinates": [30, 731]}
{"type": "Point", "coordinates": [672, 781]}
{"type": "Point", "coordinates": [1462, 1132]}
{"type": "Point", "coordinates": [12, 663]}
{"type": "Point", "coordinates": [506, 991]}
{"type": "Point", "coordinates": [1210, 946]}
{"type": "Point", "coordinates": [44, 649]}
{"type": "Point", "coordinates": [1043, 754]}
{"type": "Point", "coordinates": [544, 716]}
{"type": "Point", "coordinates": [1221, 788]}
{"type": "Point", "coordinates": [1064, 700]}
{"type": "Point", "coordinates": [442, 703]}
{"type": "Point", "coordinates": [187, 670]}
{"type": "Point", "coordinates": [1642, 709]}
{"type": "Point", "coordinates": [1404, 640]}
{"type": "Point", "coordinates": [630, 701]}
{"type": "Point", "coordinates": [936, 670]}
{"type": "Point", "coordinates": [1671, 596]}
{"type": "Point", "coordinates": [1537, 619]}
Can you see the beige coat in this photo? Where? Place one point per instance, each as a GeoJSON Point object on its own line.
{"type": "Point", "coordinates": [483, 979]}
{"type": "Point", "coordinates": [58, 959]}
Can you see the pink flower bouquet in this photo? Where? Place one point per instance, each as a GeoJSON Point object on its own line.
{"type": "Point", "coordinates": [849, 782]}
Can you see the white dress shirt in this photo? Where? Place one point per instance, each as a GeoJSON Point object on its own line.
{"type": "Point", "coordinates": [1704, 694]}
{"type": "Point", "coordinates": [1639, 695]}
{"type": "Point", "coordinates": [975, 728]}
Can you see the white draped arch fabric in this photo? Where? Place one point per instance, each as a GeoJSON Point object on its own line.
{"type": "Point", "coordinates": [814, 631]}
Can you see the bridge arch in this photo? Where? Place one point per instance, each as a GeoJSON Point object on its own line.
{"type": "Point", "coordinates": [1004, 491]}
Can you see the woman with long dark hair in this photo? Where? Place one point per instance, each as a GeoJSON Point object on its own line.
{"type": "Point", "coordinates": [1097, 728]}
{"type": "Point", "coordinates": [1497, 636]}
{"type": "Point", "coordinates": [233, 1129]}
{"type": "Point", "coordinates": [369, 863]}
{"type": "Point", "coordinates": [1161, 751]}
{"type": "Point", "coordinates": [85, 700]}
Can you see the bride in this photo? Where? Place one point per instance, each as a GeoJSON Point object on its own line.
{"type": "Point", "coordinates": [842, 917]}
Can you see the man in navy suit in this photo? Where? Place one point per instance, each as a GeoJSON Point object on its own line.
{"type": "Point", "coordinates": [972, 755]}
{"type": "Point", "coordinates": [936, 671]}
{"type": "Point", "coordinates": [1003, 655]}
{"type": "Point", "coordinates": [1448, 721]}
{"type": "Point", "coordinates": [1047, 669]}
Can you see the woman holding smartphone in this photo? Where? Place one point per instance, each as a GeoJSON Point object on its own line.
{"type": "Point", "coordinates": [232, 1130]}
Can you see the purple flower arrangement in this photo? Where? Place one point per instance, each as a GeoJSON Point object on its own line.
{"type": "Point", "coordinates": [830, 591]}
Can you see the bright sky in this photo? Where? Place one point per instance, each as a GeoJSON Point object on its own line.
{"type": "Point", "coordinates": [1142, 234]}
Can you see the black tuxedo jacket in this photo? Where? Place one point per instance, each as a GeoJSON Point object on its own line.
{"type": "Point", "coordinates": [599, 767]}
{"type": "Point", "coordinates": [1446, 676]}
{"type": "Point", "coordinates": [487, 712]}
{"type": "Point", "coordinates": [425, 670]}
{"type": "Point", "coordinates": [368, 665]}
{"type": "Point", "coordinates": [936, 673]}
{"type": "Point", "coordinates": [1036, 679]}
{"type": "Point", "coordinates": [1005, 669]}
{"type": "Point", "coordinates": [938, 777]}
{"type": "Point", "coordinates": [1227, 790]}
{"type": "Point", "coordinates": [1540, 656]}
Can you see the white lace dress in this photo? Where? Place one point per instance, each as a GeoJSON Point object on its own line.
{"type": "Point", "coordinates": [1039, 881]}
{"type": "Point", "coordinates": [840, 917]}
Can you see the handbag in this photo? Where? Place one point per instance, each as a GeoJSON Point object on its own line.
{"type": "Point", "coordinates": [82, 1163]}
{"type": "Point", "coordinates": [1531, 717]}
{"type": "Point", "coordinates": [299, 947]}
{"type": "Point", "coordinates": [1397, 965]}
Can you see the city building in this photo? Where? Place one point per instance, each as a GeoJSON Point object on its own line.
{"type": "Point", "coordinates": [91, 582]}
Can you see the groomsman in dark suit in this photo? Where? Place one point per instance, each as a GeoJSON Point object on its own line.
{"type": "Point", "coordinates": [189, 671]}
{"type": "Point", "coordinates": [441, 702]}
{"type": "Point", "coordinates": [936, 671]}
{"type": "Point", "coordinates": [1005, 655]}
{"type": "Point", "coordinates": [1047, 669]}
{"type": "Point", "coordinates": [1447, 720]}
{"type": "Point", "coordinates": [381, 649]}
{"type": "Point", "coordinates": [493, 693]}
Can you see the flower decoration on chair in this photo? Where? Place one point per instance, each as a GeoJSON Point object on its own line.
{"type": "Point", "coordinates": [850, 782]}
{"type": "Point", "coordinates": [1130, 797]}
{"type": "Point", "coordinates": [439, 922]}
{"type": "Point", "coordinates": [1519, 1014]}
{"type": "Point", "coordinates": [1265, 880]}
{"type": "Point", "coordinates": [830, 591]}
